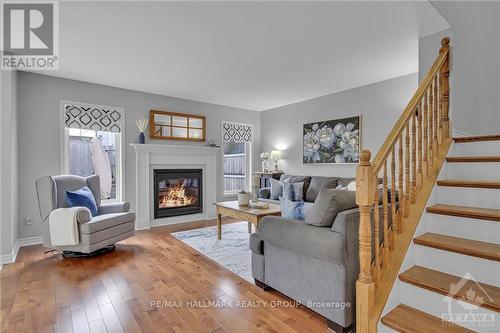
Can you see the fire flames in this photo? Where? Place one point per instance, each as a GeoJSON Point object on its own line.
{"type": "Point", "coordinates": [176, 196]}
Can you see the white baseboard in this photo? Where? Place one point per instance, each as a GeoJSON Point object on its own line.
{"type": "Point", "coordinates": [10, 258]}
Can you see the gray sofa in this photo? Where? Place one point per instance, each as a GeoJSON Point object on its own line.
{"type": "Point", "coordinates": [317, 266]}
{"type": "Point", "coordinates": [97, 234]}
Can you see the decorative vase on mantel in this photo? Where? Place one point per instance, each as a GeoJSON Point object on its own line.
{"type": "Point", "coordinates": [265, 165]}
{"type": "Point", "coordinates": [141, 126]}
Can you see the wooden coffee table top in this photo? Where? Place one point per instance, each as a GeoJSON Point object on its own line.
{"type": "Point", "coordinates": [233, 205]}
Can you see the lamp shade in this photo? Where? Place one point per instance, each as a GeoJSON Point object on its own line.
{"type": "Point", "coordinates": [276, 154]}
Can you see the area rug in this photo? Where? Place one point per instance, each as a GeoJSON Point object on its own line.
{"type": "Point", "coordinates": [231, 251]}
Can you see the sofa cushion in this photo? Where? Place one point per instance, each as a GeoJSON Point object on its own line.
{"type": "Point", "coordinates": [307, 240]}
{"type": "Point", "coordinates": [256, 244]}
{"type": "Point", "coordinates": [319, 183]}
{"type": "Point", "coordinates": [101, 222]}
{"type": "Point", "coordinates": [328, 204]}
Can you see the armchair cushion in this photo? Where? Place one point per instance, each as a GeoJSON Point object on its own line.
{"type": "Point", "coordinates": [114, 207]}
{"type": "Point", "coordinates": [101, 222]}
{"type": "Point", "coordinates": [307, 240]}
{"type": "Point", "coordinates": [82, 198]}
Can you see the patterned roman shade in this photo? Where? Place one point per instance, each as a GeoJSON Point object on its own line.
{"type": "Point", "coordinates": [92, 117]}
{"type": "Point", "coordinates": [236, 132]}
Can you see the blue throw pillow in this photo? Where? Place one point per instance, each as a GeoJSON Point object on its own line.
{"type": "Point", "coordinates": [82, 198]}
{"type": "Point", "coordinates": [292, 209]}
{"type": "Point", "coordinates": [293, 191]}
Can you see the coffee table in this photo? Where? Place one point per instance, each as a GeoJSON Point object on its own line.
{"type": "Point", "coordinates": [245, 213]}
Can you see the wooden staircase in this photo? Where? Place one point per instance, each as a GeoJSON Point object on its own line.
{"type": "Point", "coordinates": [404, 318]}
{"type": "Point", "coordinates": [410, 162]}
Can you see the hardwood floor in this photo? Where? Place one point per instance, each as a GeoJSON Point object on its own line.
{"type": "Point", "coordinates": [150, 283]}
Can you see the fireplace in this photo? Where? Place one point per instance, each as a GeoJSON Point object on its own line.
{"type": "Point", "coordinates": [177, 192]}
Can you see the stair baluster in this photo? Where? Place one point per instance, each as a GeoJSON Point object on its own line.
{"type": "Point", "coordinates": [416, 147]}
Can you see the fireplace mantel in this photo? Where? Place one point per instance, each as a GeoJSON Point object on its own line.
{"type": "Point", "coordinates": [157, 156]}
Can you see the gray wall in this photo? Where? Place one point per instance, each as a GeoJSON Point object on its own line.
{"type": "Point", "coordinates": [475, 76]}
{"type": "Point", "coordinates": [428, 50]}
{"type": "Point", "coordinates": [8, 162]}
{"type": "Point", "coordinates": [379, 105]}
{"type": "Point", "coordinates": [39, 119]}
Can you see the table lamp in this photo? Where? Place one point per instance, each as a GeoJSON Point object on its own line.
{"type": "Point", "coordinates": [276, 156]}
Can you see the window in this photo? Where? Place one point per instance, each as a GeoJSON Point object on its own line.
{"type": "Point", "coordinates": [237, 139]}
{"type": "Point", "coordinates": [92, 140]}
{"type": "Point", "coordinates": [235, 167]}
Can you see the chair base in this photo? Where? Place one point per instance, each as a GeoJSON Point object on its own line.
{"type": "Point", "coordinates": [81, 255]}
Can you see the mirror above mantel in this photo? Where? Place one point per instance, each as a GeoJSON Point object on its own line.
{"type": "Point", "coordinates": [176, 126]}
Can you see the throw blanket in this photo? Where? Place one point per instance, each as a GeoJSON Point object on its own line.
{"type": "Point", "coordinates": [63, 226]}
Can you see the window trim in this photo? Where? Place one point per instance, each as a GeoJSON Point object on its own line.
{"type": "Point", "coordinates": [64, 145]}
{"type": "Point", "coordinates": [248, 159]}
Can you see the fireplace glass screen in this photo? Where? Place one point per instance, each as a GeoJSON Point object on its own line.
{"type": "Point", "coordinates": [177, 192]}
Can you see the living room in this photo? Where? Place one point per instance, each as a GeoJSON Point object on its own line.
{"type": "Point", "coordinates": [217, 166]}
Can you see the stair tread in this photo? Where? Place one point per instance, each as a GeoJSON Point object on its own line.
{"type": "Point", "coordinates": [485, 250]}
{"type": "Point", "coordinates": [406, 319]}
{"type": "Point", "coordinates": [485, 295]}
{"type": "Point", "coordinates": [465, 211]}
{"type": "Point", "coordinates": [465, 159]}
{"type": "Point", "coordinates": [477, 138]}
{"type": "Point", "coordinates": [492, 184]}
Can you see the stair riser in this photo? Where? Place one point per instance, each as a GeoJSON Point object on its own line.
{"type": "Point", "coordinates": [475, 148]}
{"type": "Point", "coordinates": [480, 171]}
{"type": "Point", "coordinates": [474, 229]}
{"type": "Point", "coordinates": [437, 305]}
{"type": "Point", "coordinates": [486, 271]}
{"type": "Point", "coordinates": [470, 197]}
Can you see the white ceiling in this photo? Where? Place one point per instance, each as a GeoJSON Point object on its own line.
{"type": "Point", "coordinates": [252, 55]}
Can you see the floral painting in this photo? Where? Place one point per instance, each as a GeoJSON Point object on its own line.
{"type": "Point", "coordinates": [332, 141]}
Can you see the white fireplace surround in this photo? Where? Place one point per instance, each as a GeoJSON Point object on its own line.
{"type": "Point", "coordinates": [155, 156]}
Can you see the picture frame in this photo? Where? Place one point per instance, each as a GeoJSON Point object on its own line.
{"type": "Point", "coordinates": [176, 126]}
{"type": "Point", "coordinates": [336, 141]}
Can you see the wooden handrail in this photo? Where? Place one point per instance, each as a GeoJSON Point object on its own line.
{"type": "Point", "coordinates": [400, 125]}
{"type": "Point", "coordinates": [417, 146]}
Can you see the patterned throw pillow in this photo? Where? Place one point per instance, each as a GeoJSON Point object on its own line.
{"type": "Point", "coordinates": [276, 189]}
{"type": "Point", "coordinates": [292, 209]}
{"type": "Point", "coordinates": [293, 191]}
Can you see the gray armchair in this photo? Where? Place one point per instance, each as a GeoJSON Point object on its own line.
{"type": "Point", "coordinates": [97, 234]}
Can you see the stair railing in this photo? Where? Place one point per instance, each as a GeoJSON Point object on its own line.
{"type": "Point", "coordinates": [408, 163]}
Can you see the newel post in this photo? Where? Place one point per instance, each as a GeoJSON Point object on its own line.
{"type": "Point", "coordinates": [365, 284]}
{"type": "Point", "coordinates": [444, 88]}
